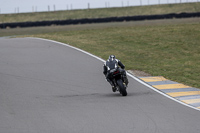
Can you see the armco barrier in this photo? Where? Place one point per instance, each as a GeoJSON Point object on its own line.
{"type": "Point", "coordinates": [99, 20]}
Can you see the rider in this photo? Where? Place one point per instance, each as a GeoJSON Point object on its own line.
{"type": "Point", "coordinates": [110, 64]}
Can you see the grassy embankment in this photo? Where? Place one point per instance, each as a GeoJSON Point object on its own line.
{"type": "Point", "coordinates": [168, 48]}
{"type": "Point", "coordinates": [101, 13]}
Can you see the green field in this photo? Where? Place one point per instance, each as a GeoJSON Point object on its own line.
{"type": "Point", "coordinates": [101, 13]}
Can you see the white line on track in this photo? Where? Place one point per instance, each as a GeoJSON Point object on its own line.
{"type": "Point", "coordinates": [135, 78]}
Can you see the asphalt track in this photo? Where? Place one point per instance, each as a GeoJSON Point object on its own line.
{"type": "Point", "coordinates": [46, 87]}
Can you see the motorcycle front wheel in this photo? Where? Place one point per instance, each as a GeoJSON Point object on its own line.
{"type": "Point", "coordinates": [122, 88]}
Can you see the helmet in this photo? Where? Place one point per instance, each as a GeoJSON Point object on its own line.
{"type": "Point", "coordinates": [111, 57]}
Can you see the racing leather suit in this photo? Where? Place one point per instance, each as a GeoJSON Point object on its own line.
{"type": "Point", "coordinates": [109, 65]}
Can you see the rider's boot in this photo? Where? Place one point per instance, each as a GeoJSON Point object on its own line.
{"type": "Point", "coordinates": [113, 86]}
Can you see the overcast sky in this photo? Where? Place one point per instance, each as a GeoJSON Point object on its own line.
{"type": "Point", "coordinates": [14, 6]}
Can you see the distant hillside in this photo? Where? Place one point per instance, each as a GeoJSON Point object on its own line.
{"type": "Point", "coordinates": [101, 13]}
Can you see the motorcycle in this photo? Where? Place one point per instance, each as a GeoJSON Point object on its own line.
{"type": "Point", "coordinates": [118, 80]}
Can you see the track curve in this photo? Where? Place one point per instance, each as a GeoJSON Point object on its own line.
{"type": "Point", "coordinates": [50, 88]}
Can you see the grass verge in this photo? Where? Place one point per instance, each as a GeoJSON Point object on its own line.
{"type": "Point", "coordinates": [101, 13]}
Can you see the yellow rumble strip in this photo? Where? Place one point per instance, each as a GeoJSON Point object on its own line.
{"type": "Point", "coordinates": [181, 92]}
{"type": "Point", "coordinates": [153, 79]}
{"type": "Point", "coordinates": [170, 86]}
{"type": "Point", "coordinates": [190, 101]}
{"type": "Point", "coordinates": [187, 93]}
